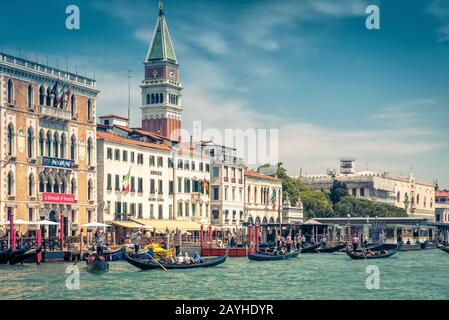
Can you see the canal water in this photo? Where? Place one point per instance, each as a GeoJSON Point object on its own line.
{"type": "Point", "coordinates": [407, 275]}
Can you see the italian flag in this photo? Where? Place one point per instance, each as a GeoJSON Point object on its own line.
{"type": "Point", "coordinates": [60, 94]}
{"type": "Point", "coordinates": [125, 183]}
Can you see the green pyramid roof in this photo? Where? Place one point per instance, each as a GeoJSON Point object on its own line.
{"type": "Point", "coordinates": [161, 47]}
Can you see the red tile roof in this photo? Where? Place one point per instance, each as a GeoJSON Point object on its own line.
{"type": "Point", "coordinates": [114, 138]}
{"type": "Point", "coordinates": [258, 175]}
{"type": "Point", "coordinates": [442, 193]}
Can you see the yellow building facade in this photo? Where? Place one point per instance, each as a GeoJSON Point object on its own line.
{"type": "Point", "coordinates": [47, 145]}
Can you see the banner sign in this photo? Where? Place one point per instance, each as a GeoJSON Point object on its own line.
{"type": "Point", "coordinates": [58, 198]}
{"type": "Point", "coordinates": [59, 163]}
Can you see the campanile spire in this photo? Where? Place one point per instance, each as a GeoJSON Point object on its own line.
{"type": "Point", "coordinates": [161, 88]}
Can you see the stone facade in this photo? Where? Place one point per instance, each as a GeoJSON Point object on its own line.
{"type": "Point", "coordinates": [47, 149]}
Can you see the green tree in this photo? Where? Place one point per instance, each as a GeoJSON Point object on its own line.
{"type": "Point", "coordinates": [338, 191]}
{"type": "Point", "coordinates": [366, 208]}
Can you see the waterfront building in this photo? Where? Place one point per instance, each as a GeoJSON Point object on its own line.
{"type": "Point", "coordinates": [263, 198]}
{"type": "Point", "coordinates": [417, 198]}
{"type": "Point", "coordinates": [292, 213]}
{"type": "Point", "coordinates": [227, 187]}
{"type": "Point", "coordinates": [48, 158]}
{"type": "Point", "coordinates": [166, 183]}
{"type": "Point", "coordinates": [442, 206]}
{"type": "Point", "coordinates": [161, 87]}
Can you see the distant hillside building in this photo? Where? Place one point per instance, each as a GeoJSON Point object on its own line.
{"type": "Point", "coordinates": [416, 197]}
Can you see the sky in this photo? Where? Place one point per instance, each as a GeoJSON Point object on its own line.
{"type": "Point", "coordinates": [308, 68]}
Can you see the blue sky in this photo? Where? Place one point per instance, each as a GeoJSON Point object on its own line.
{"type": "Point", "coordinates": [308, 68]}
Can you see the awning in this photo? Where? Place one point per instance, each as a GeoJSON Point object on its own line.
{"type": "Point", "coordinates": [312, 222]}
{"type": "Point", "coordinates": [172, 225]}
{"type": "Point", "coordinates": [126, 224]}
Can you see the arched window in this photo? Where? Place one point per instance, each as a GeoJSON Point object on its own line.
{"type": "Point", "coordinates": [10, 92]}
{"type": "Point", "coordinates": [89, 190]}
{"type": "Point", "coordinates": [148, 99]}
{"type": "Point", "coordinates": [89, 151]}
{"type": "Point", "coordinates": [249, 194]}
{"type": "Point", "coordinates": [64, 185]}
{"type": "Point", "coordinates": [56, 186]}
{"type": "Point", "coordinates": [73, 105]}
{"type": "Point", "coordinates": [48, 144]}
{"type": "Point", "coordinates": [398, 197]}
{"type": "Point", "coordinates": [89, 109]}
{"type": "Point", "coordinates": [30, 185]}
{"type": "Point", "coordinates": [10, 184]}
{"type": "Point", "coordinates": [72, 147]}
{"type": "Point", "coordinates": [11, 135]}
{"type": "Point", "coordinates": [41, 96]}
{"type": "Point", "coordinates": [152, 98]}
{"type": "Point", "coordinates": [157, 97]}
{"type": "Point", "coordinates": [255, 195]}
{"type": "Point", "coordinates": [56, 145]}
{"type": "Point", "coordinates": [41, 183]}
{"type": "Point", "coordinates": [30, 142]}
{"type": "Point", "coordinates": [161, 98]}
{"type": "Point", "coordinates": [41, 143]}
{"type": "Point", "coordinates": [48, 99]}
{"type": "Point", "coordinates": [48, 185]}
{"type": "Point", "coordinates": [63, 145]}
{"type": "Point", "coordinates": [73, 186]}
{"type": "Point", "coordinates": [30, 96]}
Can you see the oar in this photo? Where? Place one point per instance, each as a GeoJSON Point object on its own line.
{"type": "Point", "coordinates": [160, 265]}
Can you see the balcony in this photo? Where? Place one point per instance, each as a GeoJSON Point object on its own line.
{"type": "Point", "coordinates": [54, 113]}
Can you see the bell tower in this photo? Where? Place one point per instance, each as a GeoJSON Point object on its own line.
{"type": "Point", "coordinates": [161, 88]}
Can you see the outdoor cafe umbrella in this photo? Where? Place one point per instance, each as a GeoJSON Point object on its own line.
{"type": "Point", "coordinates": [47, 223]}
{"type": "Point", "coordinates": [23, 222]}
{"type": "Point", "coordinates": [96, 225]}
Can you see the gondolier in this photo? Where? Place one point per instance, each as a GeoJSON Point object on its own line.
{"type": "Point", "coordinates": [136, 241]}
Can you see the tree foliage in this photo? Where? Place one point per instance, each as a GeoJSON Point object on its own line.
{"type": "Point", "coordinates": [357, 207]}
{"type": "Point", "coordinates": [338, 191]}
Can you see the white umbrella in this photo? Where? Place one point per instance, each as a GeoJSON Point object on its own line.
{"type": "Point", "coordinates": [146, 227]}
{"type": "Point", "coordinates": [22, 222]}
{"type": "Point", "coordinates": [47, 223]}
{"type": "Point", "coordinates": [4, 223]}
{"type": "Point", "coordinates": [96, 225]}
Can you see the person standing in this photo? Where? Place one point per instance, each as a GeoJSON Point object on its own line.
{"type": "Point", "coordinates": [355, 242]}
{"type": "Point", "coordinates": [136, 241]}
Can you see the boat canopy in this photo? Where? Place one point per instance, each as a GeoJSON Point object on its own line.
{"type": "Point", "coordinates": [171, 225]}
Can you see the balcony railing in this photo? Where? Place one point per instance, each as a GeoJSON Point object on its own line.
{"type": "Point", "coordinates": [55, 113]}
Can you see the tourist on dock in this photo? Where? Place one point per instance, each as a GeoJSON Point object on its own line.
{"type": "Point", "coordinates": [365, 240]}
{"type": "Point", "coordinates": [136, 241]}
{"type": "Point", "coordinates": [355, 242]}
{"type": "Point", "coordinates": [323, 242]}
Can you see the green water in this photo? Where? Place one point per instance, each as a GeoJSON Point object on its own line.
{"type": "Point", "coordinates": [407, 275]}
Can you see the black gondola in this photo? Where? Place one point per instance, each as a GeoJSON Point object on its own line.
{"type": "Point", "coordinates": [149, 264]}
{"type": "Point", "coordinates": [97, 264]}
{"type": "Point", "coordinates": [5, 255]}
{"type": "Point", "coordinates": [310, 248]}
{"type": "Point", "coordinates": [362, 255]}
{"type": "Point", "coordinates": [329, 249]}
{"type": "Point", "coordinates": [445, 249]}
{"type": "Point", "coordinates": [272, 257]}
{"type": "Point", "coordinates": [27, 257]}
{"type": "Point", "coordinates": [12, 254]}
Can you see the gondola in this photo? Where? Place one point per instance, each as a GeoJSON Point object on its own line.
{"type": "Point", "coordinates": [445, 249]}
{"type": "Point", "coordinates": [329, 249]}
{"type": "Point", "coordinates": [108, 254]}
{"type": "Point", "coordinates": [149, 264]}
{"type": "Point", "coordinates": [272, 257]}
{"type": "Point", "coordinates": [310, 248]}
{"type": "Point", "coordinates": [4, 255]}
{"type": "Point", "coordinates": [410, 247]}
{"type": "Point", "coordinates": [10, 254]}
{"type": "Point", "coordinates": [97, 264]}
{"type": "Point", "coordinates": [361, 255]}
{"type": "Point", "coordinates": [27, 257]}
